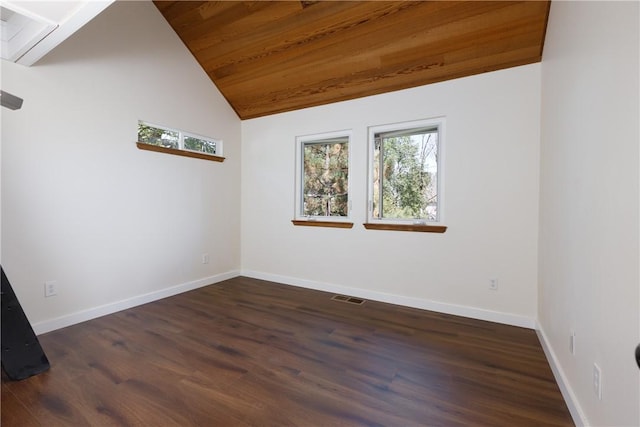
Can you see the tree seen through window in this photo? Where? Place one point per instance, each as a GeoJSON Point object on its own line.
{"type": "Point", "coordinates": [325, 178]}
{"type": "Point", "coordinates": [405, 174]}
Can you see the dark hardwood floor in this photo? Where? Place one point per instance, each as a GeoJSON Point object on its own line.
{"type": "Point", "coordinates": [246, 352]}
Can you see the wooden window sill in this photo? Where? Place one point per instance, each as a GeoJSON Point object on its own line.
{"type": "Point", "coordinates": [330, 224]}
{"type": "Point", "coordinates": [406, 227]}
{"type": "Point", "coordinates": [185, 153]}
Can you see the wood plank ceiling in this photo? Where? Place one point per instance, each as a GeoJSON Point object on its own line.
{"type": "Point", "coordinates": [271, 57]}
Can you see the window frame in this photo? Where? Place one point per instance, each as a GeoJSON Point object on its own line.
{"type": "Point", "coordinates": [320, 220]}
{"type": "Point", "coordinates": [411, 224]}
{"type": "Point", "coordinates": [181, 150]}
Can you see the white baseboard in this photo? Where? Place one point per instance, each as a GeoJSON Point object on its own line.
{"type": "Point", "coordinates": [579, 418]}
{"type": "Point", "coordinates": [92, 313]}
{"type": "Point", "coordinates": [458, 310]}
{"type": "Point", "coordinates": [424, 304]}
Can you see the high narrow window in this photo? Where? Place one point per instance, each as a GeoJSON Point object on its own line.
{"type": "Point", "coordinates": [322, 184]}
{"type": "Point", "coordinates": [405, 173]}
{"type": "Point", "coordinates": [175, 141]}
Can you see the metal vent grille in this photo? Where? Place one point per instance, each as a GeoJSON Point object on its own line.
{"type": "Point", "coordinates": [348, 299]}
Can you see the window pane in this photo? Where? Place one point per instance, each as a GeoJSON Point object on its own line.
{"type": "Point", "coordinates": [201, 145]}
{"type": "Point", "coordinates": [325, 179]}
{"type": "Point", "coordinates": [156, 136]}
{"type": "Point", "coordinates": [405, 175]}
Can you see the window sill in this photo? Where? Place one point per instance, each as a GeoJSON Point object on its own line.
{"type": "Point", "coordinates": [185, 153]}
{"type": "Point", "coordinates": [330, 224]}
{"type": "Point", "coordinates": [406, 227]}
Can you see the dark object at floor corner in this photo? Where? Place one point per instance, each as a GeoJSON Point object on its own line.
{"type": "Point", "coordinates": [22, 356]}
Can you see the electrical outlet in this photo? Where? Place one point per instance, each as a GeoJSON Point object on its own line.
{"type": "Point", "coordinates": [572, 343]}
{"type": "Point", "coordinates": [493, 284]}
{"type": "Point", "coordinates": [597, 381]}
{"type": "Point", "coordinates": [205, 258]}
{"type": "Point", "coordinates": [50, 288]}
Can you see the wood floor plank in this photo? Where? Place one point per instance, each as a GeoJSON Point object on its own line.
{"type": "Point", "coordinates": [247, 352]}
{"type": "Point", "coordinates": [13, 410]}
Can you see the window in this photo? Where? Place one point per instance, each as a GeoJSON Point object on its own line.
{"type": "Point", "coordinates": [158, 136]}
{"type": "Point", "coordinates": [322, 184]}
{"type": "Point", "coordinates": [405, 174]}
{"type": "Point", "coordinates": [172, 141]}
{"type": "Point", "coordinates": [199, 144]}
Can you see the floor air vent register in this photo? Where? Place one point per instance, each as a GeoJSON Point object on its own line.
{"type": "Point", "coordinates": [348, 299]}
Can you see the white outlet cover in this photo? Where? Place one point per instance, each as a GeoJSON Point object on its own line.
{"type": "Point", "coordinates": [572, 343]}
{"type": "Point", "coordinates": [597, 381]}
{"type": "Point", "coordinates": [50, 288]}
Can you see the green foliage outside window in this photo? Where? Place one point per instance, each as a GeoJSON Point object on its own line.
{"type": "Point", "coordinates": [405, 168]}
{"type": "Point", "coordinates": [325, 178]}
{"type": "Point", "coordinates": [156, 136]}
{"type": "Point", "coordinates": [200, 145]}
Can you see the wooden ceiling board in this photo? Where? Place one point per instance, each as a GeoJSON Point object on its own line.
{"type": "Point", "coordinates": [329, 51]}
{"type": "Point", "coordinates": [271, 57]}
{"type": "Point", "coordinates": [403, 49]}
{"type": "Point", "coordinates": [287, 37]}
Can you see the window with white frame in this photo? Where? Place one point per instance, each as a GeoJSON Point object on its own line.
{"type": "Point", "coordinates": [405, 173]}
{"type": "Point", "coordinates": [322, 184]}
{"type": "Point", "coordinates": [176, 139]}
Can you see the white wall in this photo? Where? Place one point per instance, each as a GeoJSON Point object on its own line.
{"type": "Point", "coordinates": [114, 225]}
{"type": "Point", "coordinates": [491, 205]}
{"type": "Point", "coordinates": [589, 256]}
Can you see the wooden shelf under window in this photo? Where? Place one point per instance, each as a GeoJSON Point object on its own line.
{"type": "Point", "coordinates": [185, 153]}
{"type": "Point", "coordinates": [330, 224]}
{"type": "Point", "coordinates": [406, 227]}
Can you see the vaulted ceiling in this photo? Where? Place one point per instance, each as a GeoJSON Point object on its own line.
{"type": "Point", "coordinates": [268, 57]}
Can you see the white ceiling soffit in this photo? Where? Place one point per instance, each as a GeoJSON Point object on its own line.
{"type": "Point", "coordinates": [31, 29]}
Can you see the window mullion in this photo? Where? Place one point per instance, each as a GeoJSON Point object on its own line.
{"type": "Point", "coordinates": [381, 178]}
